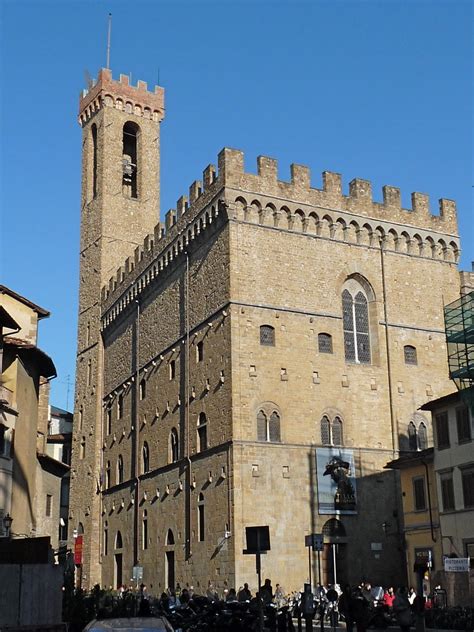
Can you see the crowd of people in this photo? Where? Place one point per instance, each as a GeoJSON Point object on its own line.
{"type": "Point", "coordinates": [357, 604]}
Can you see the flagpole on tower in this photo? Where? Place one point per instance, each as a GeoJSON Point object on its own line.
{"type": "Point", "coordinates": [109, 33]}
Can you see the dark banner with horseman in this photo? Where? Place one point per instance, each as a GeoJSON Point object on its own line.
{"type": "Point", "coordinates": [336, 481]}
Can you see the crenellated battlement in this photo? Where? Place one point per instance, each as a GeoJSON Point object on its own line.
{"type": "Point", "coordinates": [295, 206]}
{"type": "Point", "coordinates": [106, 92]}
{"type": "Point", "coordinates": [359, 201]}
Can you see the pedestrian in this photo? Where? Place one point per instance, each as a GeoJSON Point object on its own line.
{"type": "Point", "coordinates": [279, 596]}
{"type": "Point", "coordinates": [211, 592]}
{"type": "Point", "coordinates": [345, 606]}
{"type": "Point", "coordinates": [267, 592]}
{"type": "Point", "coordinates": [402, 609]}
{"type": "Point", "coordinates": [231, 595]}
{"type": "Point", "coordinates": [388, 598]}
{"type": "Point", "coordinates": [360, 609]}
{"type": "Point", "coordinates": [244, 593]}
{"type": "Point", "coordinates": [411, 595]}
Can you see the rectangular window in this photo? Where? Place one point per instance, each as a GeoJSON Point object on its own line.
{"type": "Point", "coordinates": [143, 388]}
{"type": "Point", "coordinates": [172, 369]}
{"type": "Point", "coordinates": [463, 424]}
{"type": "Point", "coordinates": [49, 504]}
{"type": "Point", "coordinates": [447, 491]}
{"type": "Point", "coordinates": [419, 496]}
{"type": "Point", "coordinates": [442, 431]}
{"type": "Point", "coordinates": [109, 420]}
{"type": "Point", "coordinates": [120, 407]}
{"type": "Point", "coordinates": [467, 477]}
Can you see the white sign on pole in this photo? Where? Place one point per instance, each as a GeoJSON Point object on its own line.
{"type": "Point", "coordinates": [456, 564]}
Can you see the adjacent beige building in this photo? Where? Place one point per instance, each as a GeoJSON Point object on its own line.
{"type": "Point", "coordinates": [30, 479]}
{"type": "Point", "coordinates": [255, 360]}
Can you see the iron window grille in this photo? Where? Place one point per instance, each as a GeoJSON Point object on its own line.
{"type": "Point", "coordinates": [267, 335]}
{"type": "Point", "coordinates": [325, 343]}
{"type": "Point", "coordinates": [355, 317]}
{"type": "Point", "coordinates": [410, 354]}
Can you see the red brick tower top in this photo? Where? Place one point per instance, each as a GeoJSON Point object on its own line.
{"type": "Point", "coordinates": [120, 94]}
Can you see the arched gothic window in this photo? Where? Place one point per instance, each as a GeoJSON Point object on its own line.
{"type": "Point", "coordinates": [169, 538]}
{"type": "Point", "coordinates": [120, 469]}
{"type": "Point", "coordinates": [355, 316]}
{"type": "Point", "coordinates": [202, 432]}
{"type": "Point", "coordinates": [145, 458]}
{"type": "Point", "coordinates": [268, 426]}
{"type": "Point", "coordinates": [130, 159]}
{"type": "Point", "coordinates": [174, 446]}
{"type": "Point", "coordinates": [201, 518]}
{"type": "Point", "coordinates": [331, 431]}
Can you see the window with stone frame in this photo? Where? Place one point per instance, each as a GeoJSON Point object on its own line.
{"type": "Point", "coordinates": [467, 478]}
{"type": "Point", "coordinates": [463, 424]}
{"type": "Point", "coordinates": [355, 318]}
{"type": "Point", "coordinates": [173, 446]}
{"type": "Point", "coordinates": [324, 343]}
{"type": "Point", "coordinates": [145, 530]}
{"type": "Point", "coordinates": [419, 495]}
{"type": "Point", "coordinates": [202, 432]}
{"type": "Point", "coordinates": [119, 469]}
{"type": "Point", "coordinates": [267, 335]}
{"type": "Point", "coordinates": [142, 388]}
{"type": "Point", "coordinates": [201, 518]}
{"type": "Point", "coordinates": [331, 431]}
{"type": "Point", "coordinates": [447, 491]}
{"type": "Point", "coordinates": [107, 475]}
{"type": "Point", "coordinates": [442, 431]}
{"type": "Point", "coordinates": [120, 406]}
{"type": "Point", "coordinates": [145, 458]}
{"type": "Point", "coordinates": [410, 354]}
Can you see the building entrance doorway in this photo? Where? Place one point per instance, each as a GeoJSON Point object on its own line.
{"type": "Point", "coordinates": [169, 569]}
{"type": "Point", "coordinates": [169, 561]}
{"type": "Point", "coordinates": [334, 562]}
{"type": "Point", "coordinates": [118, 561]}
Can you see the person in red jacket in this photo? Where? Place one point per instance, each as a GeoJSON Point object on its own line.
{"type": "Point", "coordinates": [388, 598]}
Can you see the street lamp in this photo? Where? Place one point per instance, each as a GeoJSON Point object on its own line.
{"type": "Point", "coordinates": [7, 524]}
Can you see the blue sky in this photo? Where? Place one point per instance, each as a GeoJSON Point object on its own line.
{"type": "Point", "coordinates": [378, 90]}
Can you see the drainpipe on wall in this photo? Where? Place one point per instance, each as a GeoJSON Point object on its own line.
{"type": "Point", "coordinates": [136, 421]}
{"type": "Point", "coordinates": [387, 346]}
{"type": "Point", "coordinates": [187, 509]}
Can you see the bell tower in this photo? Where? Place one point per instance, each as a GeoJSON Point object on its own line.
{"type": "Point", "coordinates": [119, 207]}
